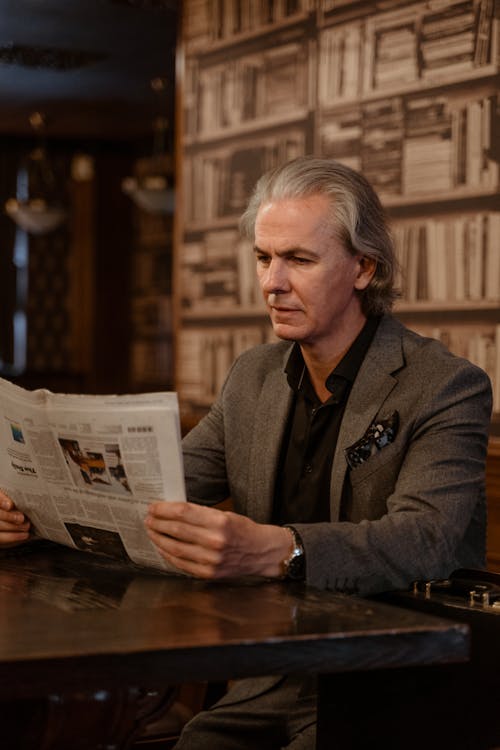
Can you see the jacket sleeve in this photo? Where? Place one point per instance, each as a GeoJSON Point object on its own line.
{"type": "Point", "coordinates": [217, 451]}
{"type": "Point", "coordinates": [204, 459]}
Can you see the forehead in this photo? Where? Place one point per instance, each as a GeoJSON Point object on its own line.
{"type": "Point", "coordinates": [294, 219]}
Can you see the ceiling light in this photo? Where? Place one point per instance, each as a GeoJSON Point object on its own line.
{"type": "Point", "coordinates": [35, 207]}
{"type": "Point", "coordinates": [35, 216]}
{"type": "Point", "coordinates": [151, 190]}
{"type": "Point", "coordinates": [151, 193]}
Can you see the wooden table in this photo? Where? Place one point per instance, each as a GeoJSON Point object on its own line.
{"type": "Point", "coordinates": [88, 647]}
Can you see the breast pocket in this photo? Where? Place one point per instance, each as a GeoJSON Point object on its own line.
{"type": "Point", "coordinates": [371, 483]}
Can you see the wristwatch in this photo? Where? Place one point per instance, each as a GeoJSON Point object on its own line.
{"type": "Point", "coordinates": [294, 566]}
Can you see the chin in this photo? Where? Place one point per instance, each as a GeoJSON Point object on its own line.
{"type": "Point", "coordinates": [286, 333]}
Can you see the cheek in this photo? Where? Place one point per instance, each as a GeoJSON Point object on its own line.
{"type": "Point", "coordinates": [326, 299]}
{"type": "Point", "coordinates": [323, 307]}
{"type": "Point", "coordinates": [316, 300]}
{"type": "Point", "coordinates": [260, 273]}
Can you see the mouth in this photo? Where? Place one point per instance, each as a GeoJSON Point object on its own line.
{"type": "Point", "coordinates": [281, 308]}
{"type": "Point", "coordinates": [283, 312]}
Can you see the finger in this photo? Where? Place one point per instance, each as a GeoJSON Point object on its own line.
{"type": "Point", "coordinates": [195, 570]}
{"type": "Point", "coordinates": [185, 551]}
{"type": "Point", "coordinates": [5, 502]}
{"type": "Point", "coordinates": [197, 515]}
{"type": "Point", "coordinates": [191, 567]}
{"type": "Point", "coordinates": [208, 538]}
{"type": "Point", "coordinates": [183, 531]}
{"type": "Point", "coordinates": [166, 509]}
{"type": "Point", "coordinates": [12, 517]}
{"type": "Point", "coordinates": [6, 526]}
{"type": "Point", "coordinates": [8, 538]}
{"type": "Point", "coordinates": [185, 516]}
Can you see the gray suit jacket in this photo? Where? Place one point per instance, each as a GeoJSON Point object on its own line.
{"type": "Point", "coordinates": [417, 507]}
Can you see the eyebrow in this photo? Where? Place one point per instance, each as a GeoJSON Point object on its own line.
{"type": "Point", "coordinates": [288, 252]}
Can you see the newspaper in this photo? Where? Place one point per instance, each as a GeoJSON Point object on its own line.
{"type": "Point", "coordinates": [84, 468]}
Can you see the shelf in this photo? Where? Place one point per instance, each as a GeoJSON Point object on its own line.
{"type": "Point", "coordinates": [448, 306]}
{"type": "Point", "coordinates": [297, 117]}
{"type": "Point", "coordinates": [348, 10]}
{"type": "Point", "coordinates": [231, 314]}
{"type": "Point", "coordinates": [418, 87]}
{"type": "Point", "coordinates": [245, 38]}
{"type": "Point", "coordinates": [421, 199]}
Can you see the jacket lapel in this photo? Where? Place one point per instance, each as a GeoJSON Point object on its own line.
{"type": "Point", "coordinates": [270, 419]}
{"type": "Point", "coordinates": [373, 384]}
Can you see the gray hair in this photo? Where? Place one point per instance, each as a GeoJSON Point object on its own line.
{"type": "Point", "coordinates": [357, 217]}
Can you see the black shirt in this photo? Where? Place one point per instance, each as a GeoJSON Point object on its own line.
{"type": "Point", "coordinates": [302, 493]}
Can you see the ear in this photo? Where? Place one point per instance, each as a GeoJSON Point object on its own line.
{"type": "Point", "coordinates": [365, 272]}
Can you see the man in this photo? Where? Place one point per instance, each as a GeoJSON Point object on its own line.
{"type": "Point", "coordinates": [353, 450]}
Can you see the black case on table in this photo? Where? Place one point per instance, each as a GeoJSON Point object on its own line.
{"type": "Point", "coordinates": [463, 703]}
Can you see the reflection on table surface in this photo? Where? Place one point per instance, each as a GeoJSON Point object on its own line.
{"type": "Point", "coordinates": [59, 604]}
{"type": "Point", "coordinates": [79, 627]}
{"type": "Point", "coordinates": [50, 577]}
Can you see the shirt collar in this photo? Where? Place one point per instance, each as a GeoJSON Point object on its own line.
{"type": "Point", "coordinates": [345, 371]}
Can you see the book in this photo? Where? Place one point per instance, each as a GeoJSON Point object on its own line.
{"type": "Point", "coordinates": [206, 355]}
{"type": "Point", "coordinates": [341, 137]}
{"type": "Point", "coordinates": [340, 63]}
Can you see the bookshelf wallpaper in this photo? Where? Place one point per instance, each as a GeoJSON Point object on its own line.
{"type": "Point", "coordinates": [407, 92]}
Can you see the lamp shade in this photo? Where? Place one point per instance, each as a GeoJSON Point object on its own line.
{"type": "Point", "coordinates": [35, 216]}
{"type": "Point", "coordinates": [36, 207]}
{"type": "Point", "coordinates": [151, 194]}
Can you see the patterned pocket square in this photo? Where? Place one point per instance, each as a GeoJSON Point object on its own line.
{"type": "Point", "coordinates": [378, 435]}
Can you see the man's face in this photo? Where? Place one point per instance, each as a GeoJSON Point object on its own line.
{"type": "Point", "coordinates": [308, 279]}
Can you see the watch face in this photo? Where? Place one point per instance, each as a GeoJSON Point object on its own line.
{"type": "Point", "coordinates": [295, 568]}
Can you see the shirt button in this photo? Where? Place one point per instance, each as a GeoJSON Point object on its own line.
{"type": "Point", "coordinates": [308, 468]}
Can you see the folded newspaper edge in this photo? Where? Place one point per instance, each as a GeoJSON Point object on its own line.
{"type": "Point", "coordinates": [84, 468]}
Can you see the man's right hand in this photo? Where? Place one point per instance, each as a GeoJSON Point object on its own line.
{"type": "Point", "coordinates": [14, 526]}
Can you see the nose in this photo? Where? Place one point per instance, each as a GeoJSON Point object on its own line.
{"type": "Point", "coordinates": [274, 278]}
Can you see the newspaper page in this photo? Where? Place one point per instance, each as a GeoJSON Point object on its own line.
{"type": "Point", "coordinates": [84, 468]}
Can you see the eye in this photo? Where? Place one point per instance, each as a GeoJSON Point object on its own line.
{"type": "Point", "coordinates": [262, 260]}
{"type": "Point", "coordinates": [300, 261]}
